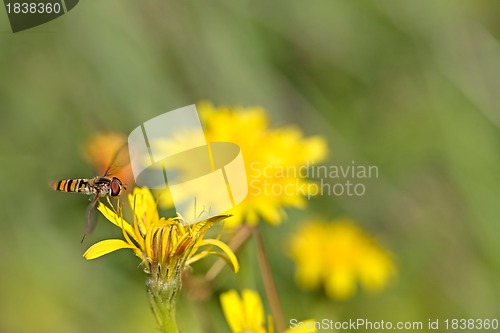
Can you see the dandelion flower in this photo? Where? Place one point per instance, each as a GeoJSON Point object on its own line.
{"type": "Point", "coordinates": [165, 247]}
{"type": "Point", "coordinates": [339, 255]}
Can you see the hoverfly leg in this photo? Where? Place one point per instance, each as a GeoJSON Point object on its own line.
{"type": "Point", "coordinates": [115, 209]}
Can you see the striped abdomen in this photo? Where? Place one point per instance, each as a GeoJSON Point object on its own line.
{"type": "Point", "coordinates": [73, 185]}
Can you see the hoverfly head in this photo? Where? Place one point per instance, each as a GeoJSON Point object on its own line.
{"type": "Point", "coordinates": [116, 187]}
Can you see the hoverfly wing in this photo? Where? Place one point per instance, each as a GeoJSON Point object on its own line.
{"type": "Point", "coordinates": [120, 160]}
{"type": "Point", "coordinates": [91, 216]}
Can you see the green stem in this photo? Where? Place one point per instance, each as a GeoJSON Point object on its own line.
{"type": "Point", "coordinates": [163, 298]}
{"type": "Point", "coordinates": [267, 279]}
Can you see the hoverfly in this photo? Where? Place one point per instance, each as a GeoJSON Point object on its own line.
{"type": "Point", "coordinates": [97, 187]}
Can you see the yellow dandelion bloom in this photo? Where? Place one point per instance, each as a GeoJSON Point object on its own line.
{"type": "Point", "coordinates": [339, 255]}
{"type": "Point", "coordinates": [245, 314]}
{"type": "Point", "coordinates": [272, 160]}
{"type": "Point", "coordinates": [165, 246]}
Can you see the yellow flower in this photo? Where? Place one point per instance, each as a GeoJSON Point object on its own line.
{"type": "Point", "coordinates": [272, 160]}
{"type": "Point", "coordinates": [339, 254]}
{"type": "Point", "coordinates": [164, 246]}
{"type": "Point", "coordinates": [245, 314]}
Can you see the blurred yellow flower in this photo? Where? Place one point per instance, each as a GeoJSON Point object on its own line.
{"type": "Point", "coordinates": [245, 314]}
{"type": "Point", "coordinates": [339, 254]}
{"type": "Point", "coordinates": [273, 158]}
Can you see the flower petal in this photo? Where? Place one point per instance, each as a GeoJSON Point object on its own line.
{"type": "Point", "coordinates": [254, 311]}
{"type": "Point", "coordinates": [233, 310]}
{"type": "Point", "coordinates": [205, 224]}
{"type": "Point", "coordinates": [341, 284]}
{"type": "Point", "coordinates": [226, 249]}
{"type": "Point", "coordinates": [106, 246]}
{"type": "Point", "coordinates": [144, 206]}
{"type": "Point", "coordinates": [116, 220]}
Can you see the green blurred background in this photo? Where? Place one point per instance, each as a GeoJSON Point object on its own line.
{"type": "Point", "coordinates": [410, 86]}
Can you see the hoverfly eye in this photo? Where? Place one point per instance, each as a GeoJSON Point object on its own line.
{"type": "Point", "coordinates": [116, 187]}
